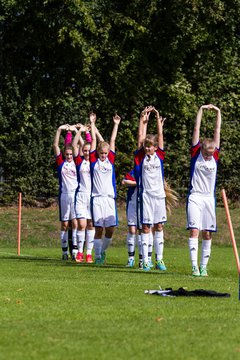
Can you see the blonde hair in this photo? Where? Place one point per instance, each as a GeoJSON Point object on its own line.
{"type": "Point", "coordinates": [208, 144]}
{"type": "Point", "coordinates": [151, 139]}
{"type": "Point", "coordinates": [102, 145]}
{"type": "Point", "coordinates": [67, 147]}
{"type": "Point", "coordinates": [171, 197]}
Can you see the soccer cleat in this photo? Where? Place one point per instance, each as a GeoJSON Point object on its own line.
{"type": "Point", "coordinates": [98, 261]}
{"type": "Point", "coordinates": [73, 257]}
{"type": "Point", "coordinates": [146, 266]}
{"type": "Point", "coordinates": [89, 259]}
{"type": "Point", "coordinates": [140, 264]}
{"type": "Point", "coordinates": [195, 271]}
{"type": "Point", "coordinates": [130, 263]}
{"type": "Point", "coordinates": [103, 257]}
{"type": "Point", "coordinates": [150, 264]}
{"type": "Point", "coordinates": [160, 265]}
{"type": "Point", "coordinates": [79, 257]}
{"type": "Point", "coordinates": [203, 271]}
{"type": "Point", "coordinates": [65, 257]}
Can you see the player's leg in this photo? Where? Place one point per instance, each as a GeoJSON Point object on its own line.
{"type": "Point", "coordinates": [206, 252]}
{"type": "Point", "coordinates": [159, 246]}
{"type": "Point", "coordinates": [70, 244]}
{"type": "Point", "coordinates": [150, 248]}
{"type": "Point", "coordinates": [64, 239]}
{"type": "Point", "coordinates": [90, 233]}
{"type": "Point", "coordinates": [160, 216]}
{"type": "Point", "coordinates": [82, 223]}
{"type": "Point", "coordinates": [131, 245]}
{"type": "Point", "coordinates": [194, 221]}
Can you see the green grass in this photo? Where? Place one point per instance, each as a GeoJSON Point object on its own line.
{"type": "Point", "coordinates": [55, 310]}
{"type": "Point", "coordinates": [52, 309]}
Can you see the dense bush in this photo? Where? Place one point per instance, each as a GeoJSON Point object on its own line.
{"type": "Point", "coordinates": [62, 59]}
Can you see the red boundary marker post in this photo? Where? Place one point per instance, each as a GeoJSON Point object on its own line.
{"type": "Point", "coordinates": [19, 223]}
{"type": "Point", "coordinates": [225, 202]}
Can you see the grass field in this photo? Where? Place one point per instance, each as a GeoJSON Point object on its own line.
{"type": "Point", "coordinates": [52, 309]}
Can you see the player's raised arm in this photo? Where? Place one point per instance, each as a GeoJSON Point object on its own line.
{"type": "Point", "coordinates": [78, 141]}
{"type": "Point", "coordinates": [217, 129]}
{"type": "Point", "coordinates": [116, 122]}
{"type": "Point", "coordinates": [92, 119]}
{"type": "Point", "coordinates": [197, 125]}
{"type": "Point", "coordinates": [56, 147]}
{"type": "Point", "coordinates": [143, 122]}
{"type": "Point", "coordinates": [160, 122]}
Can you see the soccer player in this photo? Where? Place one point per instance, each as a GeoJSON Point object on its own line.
{"type": "Point", "coordinates": [201, 214]}
{"type": "Point", "coordinates": [103, 194]}
{"type": "Point", "coordinates": [148, 169]}
{"type": "Point", "coordinates": [132, 219]}
{"type": "Point", "coordinates": [86, 230]}
{"type": "Point", "coordinates": [67, 176]}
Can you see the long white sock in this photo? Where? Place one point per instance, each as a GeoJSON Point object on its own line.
{"type": "Point", "coordinates": [150, 246]}
{"type": "Point", "coordinates": [106, 243]}
{"type": "Point", "coordinates": [80, 240]}
{"type": "Point", "coordinates": [193, 248]}
{"type": "Point", "coordinates": [64, 241]}
{"type": "Point", "coordinates": [90, 240]}
{"type": "Point", "coordinates": [74, 241]}
{"type": "Point", "coordinates": [131, 245]}
{"type": "Point", "coordinates": [145, 241]}
{"type": "Point", "coordinates": [97, 248]}
{"type": "Point", "coordinates": [158, 244]}
{"type": "Point", "coordinates": [206, 252]}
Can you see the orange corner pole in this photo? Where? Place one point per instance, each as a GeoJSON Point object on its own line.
{"type": "Point", "coordinates": [225, 202]}
{"type": "Point", "coordinates": [19, 223]}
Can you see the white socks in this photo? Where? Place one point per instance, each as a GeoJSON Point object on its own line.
{"type": "Point", "coordinates": [206, 252]}
{"type": "Point", "coordinates": [106, 243]}
{"type": "Point", "coordinates": [80, 240]}
{"type": "Point", "coordinates": [193, 248]}
{"type": "Point", "coordinates": [145, 242]}
{"type": "Point", "coordinates": [158, 244]}
{"type": "Point", "coordinates": [131, 245]}
{"type": "Point", "coordinates": [64, 241]}
{"type": "Point", "coordinates": [90, 240]}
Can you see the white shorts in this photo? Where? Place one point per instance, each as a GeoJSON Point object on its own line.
{"type": "Point", "coordinates": [66, 207]}
{"type": "Point", "coordinates": [132, 213]}
{"type": "Point", "coordinates": [152, 209]}
{"type": "Point", "coordinates": [104, 211]}
{"type": "Point", "coordinates": [201, 213]}
{"type": "Point", "coordinates": [82, 206]}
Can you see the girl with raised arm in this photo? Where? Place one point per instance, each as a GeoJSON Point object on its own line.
{"type": "Point", "coordinates": [103, 194]}
{"type": "Point", "coordinates": [67, 187]}
{"type": "Point", "coordinates": [201, 213]}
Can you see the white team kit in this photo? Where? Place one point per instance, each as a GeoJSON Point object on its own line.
{"type": "Point", "coordinates": [104, 209]}
{"type": "Point", "coordinates": [201, 203]}
{"type": "Point", "coordinates": [67, 176]}
{"type": "Point", "coordinates": [151, 183]}
{"type": "Point", "coordinates": [83, 193]}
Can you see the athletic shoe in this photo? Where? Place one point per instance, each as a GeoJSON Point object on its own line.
{"type": "Point", "coordinates": [65, 257]}
{"type": "Point", "coordinates": [79, 257]}
{"type": "Point", "coordinates": [203, 271]}
{"type": "Point", "coordinates": [140, 264]}
{"type": "Point", "coordinates": [195, 271]}
{"type": "Point", "coordinates": [103, 257]}
{"type": "Point", "coordinates": [89, 259]}
{"type": "Point", "coordinates": [98, 261]}
{"type": "Point", "coordinates": [74, 257]}
{"type": "Point", "coordinates": [150, 264]}
{"type": "Point", "coordinates": [146, 266]}
{"type": "Point", "coordinates": [160, 265]}
{"type": "Point", "coordinates": [130, 263]}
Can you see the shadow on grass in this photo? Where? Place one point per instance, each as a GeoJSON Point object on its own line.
{"type": "Point", "coordinates": [40, 260]}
